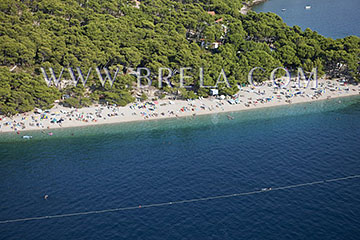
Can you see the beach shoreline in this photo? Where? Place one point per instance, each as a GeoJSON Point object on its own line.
{"type": "Point", "coordinates": [247, 7]}
{"type": "Point", "coordinates": [249, 98]}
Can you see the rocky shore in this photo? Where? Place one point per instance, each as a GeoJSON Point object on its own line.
{"type": "Point", "coordinates": [247, 6]}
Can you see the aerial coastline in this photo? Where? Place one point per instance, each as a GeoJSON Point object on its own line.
{"type": "Point", "coordinates": [249, 97]}
{"type": "Point", "coordinates": [247, 7]}
{"type": "Point", "coordinates": [180, 119]}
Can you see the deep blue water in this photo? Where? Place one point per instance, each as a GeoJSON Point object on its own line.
{"type": "Point", "coordinates": [126, 165]}
{"type": "Point", "coordinates": [331, 18]}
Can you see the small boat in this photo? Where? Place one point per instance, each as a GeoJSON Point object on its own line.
{"type": "Point", "coordinates": [27, 137]}
{"type": "Point", "coordinates": [284, 9]}
{"type": "Point", "coordinates": [307, 7]}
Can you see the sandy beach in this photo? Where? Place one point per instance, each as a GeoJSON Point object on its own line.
{"type": "Point", "coordinates": [249, 97]}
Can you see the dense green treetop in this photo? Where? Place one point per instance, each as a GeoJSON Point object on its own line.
{"type": "Point", "coordinates": [150, 33]}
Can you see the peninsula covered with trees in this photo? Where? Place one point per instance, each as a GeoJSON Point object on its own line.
{"type": "Point", "coordinates": [127, 34]}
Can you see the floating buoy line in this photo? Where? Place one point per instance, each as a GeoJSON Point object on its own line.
{"type": "Point", "coordinates": [262, 190]}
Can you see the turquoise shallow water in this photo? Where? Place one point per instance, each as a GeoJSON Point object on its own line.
{"type": "Point", "coordinates": [124, 165]}
{"type": "Point", "coordinates": [331, 18]}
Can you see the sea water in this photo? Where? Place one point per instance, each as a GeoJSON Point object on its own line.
{"type": "Point", "coordinates": [133, 164]}
{"type": "Point", "coordinates": [331, 18]}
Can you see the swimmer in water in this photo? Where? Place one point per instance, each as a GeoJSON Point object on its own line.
{"type": "Point", "coordinates": [230, 117]}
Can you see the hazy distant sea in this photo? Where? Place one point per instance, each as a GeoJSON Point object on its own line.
{"type": "Point", "coordinates": [331, 18]}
